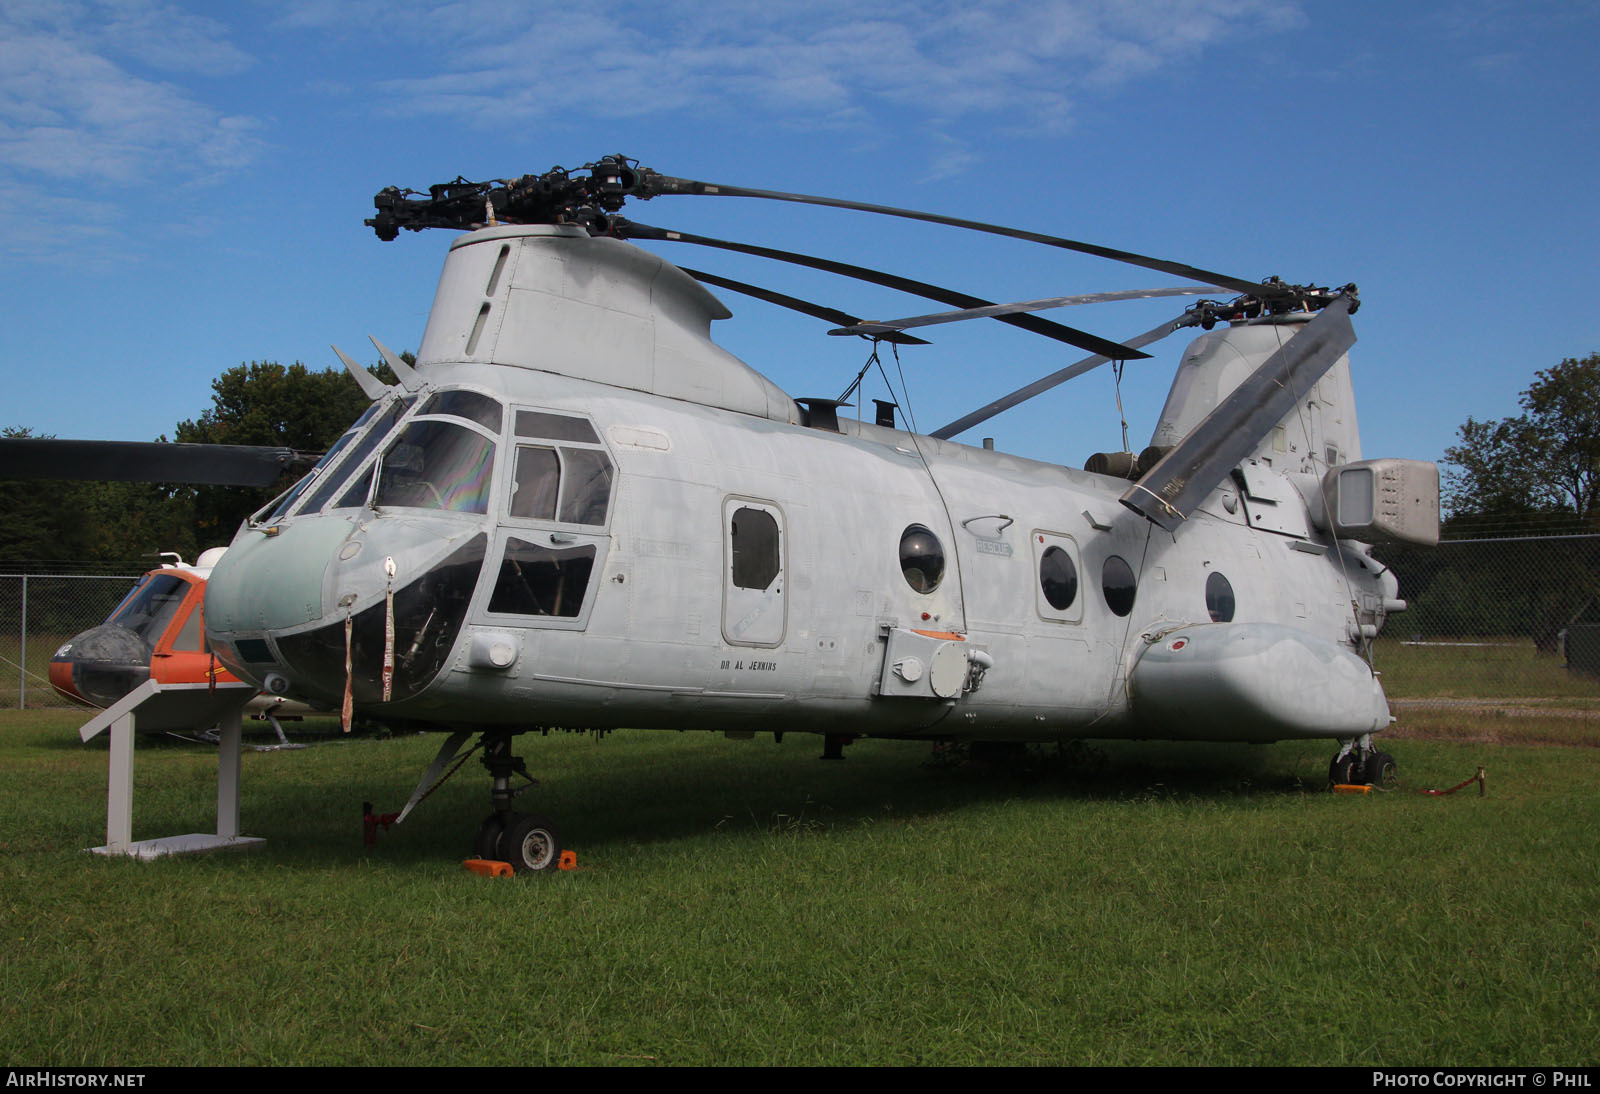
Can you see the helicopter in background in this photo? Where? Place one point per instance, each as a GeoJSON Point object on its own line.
{"type": "Point", "coordinates": [578, 512]}
{"type": "Point", "coordinates": [157, 632]}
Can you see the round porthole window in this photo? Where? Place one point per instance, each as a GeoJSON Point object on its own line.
{"type": "Point", "coordinates": [1116, 581]}
{"type": "Point", "coordinates": [1058, 577]}
{"type": "Point", "coordinates": [921, 558]}
{"type": "Point", "coordinates": [1219, 598]}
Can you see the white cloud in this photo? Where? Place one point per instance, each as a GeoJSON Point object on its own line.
{"type": "Point", "coordinates": [838, 65]}
{"type": "Point", "coordinates": [39, 224]}
{"type": "Point", "coordinates": [67, 109]}
{"type": "Point", "coordinates": [69, 113]}
{"type": "Point", "coordinates": [828, 60]}
{"type": "Point", "coordinates": [109, 93]}
{"type": "Point", "coordinates": [165, 37]}
{"type": "Point", "coordinates": [941, 65]}
{"type": "Point", "coordinates": [951, 158]}
{"type": "Point", "coordinates": [85, 106]}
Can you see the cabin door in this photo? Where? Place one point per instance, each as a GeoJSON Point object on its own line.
{"type": "Point", "coordinates": [754, 573]}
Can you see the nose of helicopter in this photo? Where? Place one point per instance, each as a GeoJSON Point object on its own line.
{"type": "Point", "coordinates": [101, 665]}
{"type": "Point", "coordinates": [280, 604]}
{"type": "Point", "coordinates": [274, 580]}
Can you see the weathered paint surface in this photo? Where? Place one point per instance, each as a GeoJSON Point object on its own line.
{"type": "Point", "coordinates": [641, 611]}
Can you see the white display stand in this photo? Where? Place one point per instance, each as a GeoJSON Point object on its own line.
{"type": "Point", "coordinates": [152, 706]}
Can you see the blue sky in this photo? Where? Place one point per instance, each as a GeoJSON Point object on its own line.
{"type": "Point", "coordinates": [182, 186]}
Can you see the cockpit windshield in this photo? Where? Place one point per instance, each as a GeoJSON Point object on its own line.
{"type": "Point", "coordinates": [363, 448]}
{"type": "Point", "coordinates": [150, 607]}
{"type": "Point", "coordinates": [436, 464]}
{"type": "Point", "coordinates": [300, 487]}
{"type": "Point", "coordinates": [323, 466]}
{"type": "Point", "coordinates": [466, 404]}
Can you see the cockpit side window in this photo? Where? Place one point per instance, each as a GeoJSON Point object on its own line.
{"type": "Point", "coordinates": [539, 580]}
{"type": "Point", "coordinates": [554, 427]}
{"type": "Point", "coordinates": [567, 478]}
{"type": "Point", "coordinates": [587, 491]}
{"type": "Point", "coordinates": [192, 636]}
{"type": "Point", "coordinates": [535, 484]}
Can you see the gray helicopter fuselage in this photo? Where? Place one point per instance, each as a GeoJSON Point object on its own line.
{"type": "Point", "coordinates": [582, 513]}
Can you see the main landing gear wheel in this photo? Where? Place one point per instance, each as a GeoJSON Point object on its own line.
{"type": "Point", "coordinates": [530, 843]}
{"type": "Point", "coordinates": [526, 841]}
{"type": "Point", "coordinates": [1344, 769]}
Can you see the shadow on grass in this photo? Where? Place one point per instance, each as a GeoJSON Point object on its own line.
{"type": "Point", "coordinates": [257, 735]}
{"type": "Point", "coordinates": [653, 789]}
{"type": "Point", "coordinates": [632, 788]}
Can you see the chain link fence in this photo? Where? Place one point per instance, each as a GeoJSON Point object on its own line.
{"type": "Point", "coordinates": [40, 611]}
{"type": "Point", "coordinates": [1500, 639]}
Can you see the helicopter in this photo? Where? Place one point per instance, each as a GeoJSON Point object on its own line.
{"type": "Point", "coordinates": [578, 512]}
{"type": "Point", "coordinates": [157, 632]}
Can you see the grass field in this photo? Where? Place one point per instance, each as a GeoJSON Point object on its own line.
{"type": "Point", "coordinates": [1489, 690]}
{"type": "Point", "coordinates": [744, 903]}
{"type": "Point", "coordinates": [1488, 667]}
{"type": "Point", "coordinates": [35, 691]}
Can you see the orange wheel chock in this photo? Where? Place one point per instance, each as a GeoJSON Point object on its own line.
{"type": "Point", "coordinates": [484, 867]}
{"type": "Point", "coordinates": [567, 861]}
{"type": "Point", "coordinates": [1351, 788]}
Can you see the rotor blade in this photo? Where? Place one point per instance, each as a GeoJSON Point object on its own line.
{"type": "Point", "coordinates": [627, 229]}
{"type": "Point", "coordinates": [881, 326]}
{"type": "Point", "coordinates": [794, 303]}
{"type": "Point", "coordinates": [140, 461]}
{"type": "Point", "coordinates": [1171, 490]}
{"type": "Point", "coordinates": [1023, 394]}
{"type": "Point", "coordinates": [651, 183]}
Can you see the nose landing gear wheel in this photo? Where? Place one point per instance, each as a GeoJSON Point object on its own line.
{"type": "Point", "coordinates": [530, 843]}
{"type": "Point", "coordinates": [1379, 770]}
{"type": "Point", "coordinates": [1372, 768]}
{"type": "Point", "coordinates": [487, 843]}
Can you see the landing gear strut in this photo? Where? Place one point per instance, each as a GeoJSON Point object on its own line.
{"type": "Point", "coordinates": [1360, 763]}
{"type": "Point", "coordinates": [525, 840]}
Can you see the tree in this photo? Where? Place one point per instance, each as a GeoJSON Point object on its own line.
{"type": "Point", "coordinates": [265, 403]}
{"type": "Point", "coordinates": [1536, 472]}
{"type": "Point", "coordinates": [127, 523]}
{"type": "Point", "coordinates": [40, 524]}
{"type": "Point", "coordinates": [121, 523]}
{"type": "Point", "coordinates": [1543, 462]}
